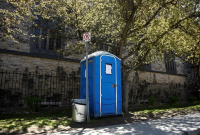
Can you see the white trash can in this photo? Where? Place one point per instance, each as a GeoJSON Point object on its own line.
{"type": "Point", "coordinates": [78, 110]}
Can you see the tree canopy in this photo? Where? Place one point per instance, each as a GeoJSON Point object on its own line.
{"type": "Point", "coordinates": [185, 43]}
{"type": "Point", "coordinates": [133, 29]}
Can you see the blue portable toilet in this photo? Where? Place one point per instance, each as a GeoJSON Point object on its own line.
{"type": "Point", "coordinates": [104, 80]}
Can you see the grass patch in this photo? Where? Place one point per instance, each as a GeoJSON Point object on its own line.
{"type": "Point", "coordinates": [161, 109]}
{"type": "Point", "coordinates": [94, 121]}
{"type": "Point", "coordinates": [21, 122]}
{"type": "Point", "coordinates": [17, 122]}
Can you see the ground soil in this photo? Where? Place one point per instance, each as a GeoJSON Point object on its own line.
{"type": "Point", "coordinates": [128, 118]}
{"type": "Point", "coordinates": [106, 121]}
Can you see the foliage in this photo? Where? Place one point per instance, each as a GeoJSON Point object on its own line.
{"type": "Point", "coordinates": [21, 122]}
{"type": "Point", "coordinates": [134, 28]}
{"type": "Point", "coordinates": [192, 99]}
{"type": "Point", "coordinates": [185, 42]}
{"type": "Point", "coordinates": [32, 103]}
{"type": "Point", "coordinates": [174, 100]}
{"type": "Point", "coordinates": [13, 15]}
{"type": "Point", "coordinates": [152, 100]}
{"type": "Point", "coordinates": [18, 122]}
{"type": "Point", "coordinates": [122, 25]}
{"type": "Point", "coordinates": [163, 109]}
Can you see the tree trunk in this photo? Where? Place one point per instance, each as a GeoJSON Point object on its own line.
{"type": "Point", "coordinates": [198, 78]}
{"type": "Point", "coordinates": [195, 74]}
{"type": "Point", "coordinates": [125, 91]}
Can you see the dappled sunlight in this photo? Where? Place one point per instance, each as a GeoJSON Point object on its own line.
{"type": "Point", "coordinates": [61, 121]}
{"type": "Point", "coordinates": [174, 125]}
{"type": "Point", "coordinates": [33, 123]}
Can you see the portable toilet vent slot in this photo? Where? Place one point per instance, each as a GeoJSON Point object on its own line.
{"type": "Point", "coordinates": [104, 80]}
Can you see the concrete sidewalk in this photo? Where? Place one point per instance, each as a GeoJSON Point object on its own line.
{"type": "Point", "coordinates": [185, 124]}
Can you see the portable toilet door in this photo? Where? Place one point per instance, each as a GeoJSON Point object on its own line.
{"type": "Point", "coordinates": [108, 83]}
{"type": "Point", "coordinates": [104, 84]}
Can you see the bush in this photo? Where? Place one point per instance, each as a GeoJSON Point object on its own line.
{"type": "Point", "coordinates": [33, 103]}
{"type": "Point", "coordinates": [152, 100]}
{"type": "Point", "coordinates": [173, 100]}
{"type": "Point", "coordinates": [192, 99]}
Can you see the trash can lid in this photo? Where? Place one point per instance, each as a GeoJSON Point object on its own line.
{"type": "Point", "coordinates": [79, 101]}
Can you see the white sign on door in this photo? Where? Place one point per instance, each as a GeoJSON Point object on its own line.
{"type": "Point", "coordinates": [108, 69]}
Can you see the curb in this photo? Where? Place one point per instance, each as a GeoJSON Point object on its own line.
{"type": "Point", "coordinates": [196, 132]}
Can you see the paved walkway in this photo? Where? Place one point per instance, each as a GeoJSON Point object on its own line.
{"type": "Point", "coordinates": [185, 124]}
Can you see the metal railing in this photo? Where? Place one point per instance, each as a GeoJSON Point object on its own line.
{"type": "Point", "coordinates": [54, 89]}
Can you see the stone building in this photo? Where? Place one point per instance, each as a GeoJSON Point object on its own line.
{"type": "Point", "coordinates": [161, 79]}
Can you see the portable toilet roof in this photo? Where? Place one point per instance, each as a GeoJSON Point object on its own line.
{"type": "Point", "coordinates": [98, 53]}
{"type": "Point", "coordinates": [104, 76]}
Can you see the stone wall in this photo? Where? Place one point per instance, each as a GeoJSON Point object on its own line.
{"type": "Point", "coordinates": [158, 65]}
{"type": "Point", "coordinates": [142, 84]}
{"type": "Point", "coordinates": [12, 62]}
{"type": "Point", "coordinates": [183, 67]}
{"type": "Point", "coordinates": [55, 81]}
{"type": "Point", "coordinates": [10, 45]}
{"type": "Point", "coordinates": [160, 85]}
{"type": "Point", "coordinates": [22, 41]}
{"type": "Point", "coordinates": [53, 89]}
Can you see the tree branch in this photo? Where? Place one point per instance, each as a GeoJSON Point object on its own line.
{"type": "Point", "coordinates": [182, 28]}
{"type": "Point", "coordinates": [137, 49]}
{"type": "Point", "coordinates": [100, 42]}
{"type": "Point", "coordinates": [151, 19]}
{"type": "Point", "coordinates": [158, 38]}
{"type": "Point", "coordinates": [125, 30]}
{"type": "Point", "coordinates": [141, 62]}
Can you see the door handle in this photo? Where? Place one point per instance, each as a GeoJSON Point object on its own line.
{"type": "Point", "coordinates": [113, 85]}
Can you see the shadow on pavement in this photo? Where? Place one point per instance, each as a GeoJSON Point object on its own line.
{"type": "Point", "coordinates": [174, 125]}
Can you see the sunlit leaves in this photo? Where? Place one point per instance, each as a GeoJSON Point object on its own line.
{"type": "Point", "coordinates": [111, 23]}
